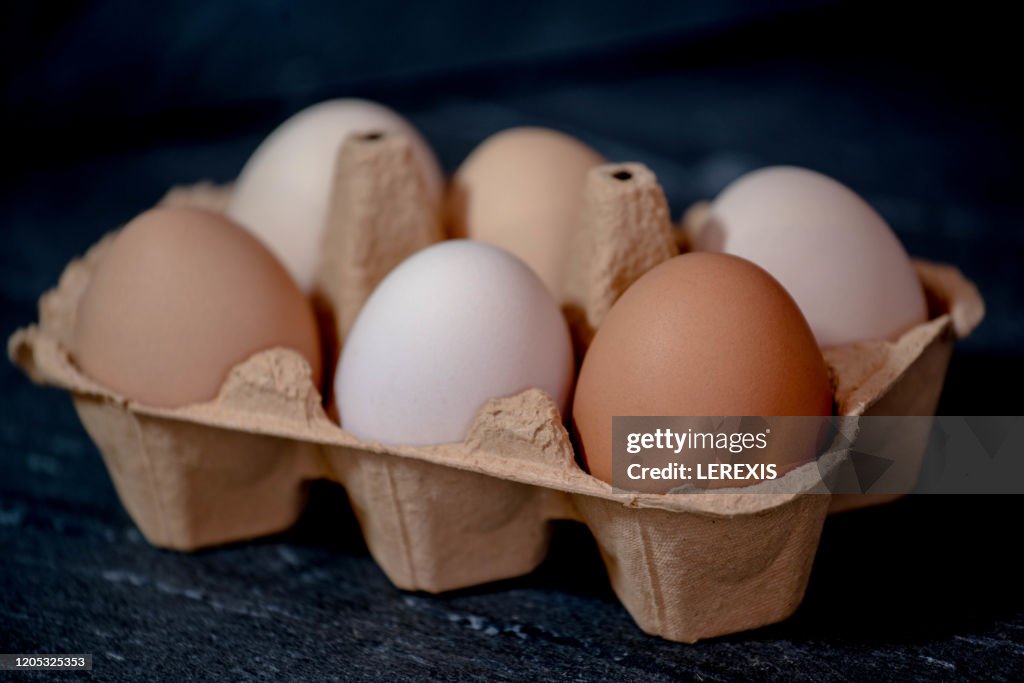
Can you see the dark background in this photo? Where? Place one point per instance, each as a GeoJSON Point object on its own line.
{"type": "Point", "coordinates": [106, 105]}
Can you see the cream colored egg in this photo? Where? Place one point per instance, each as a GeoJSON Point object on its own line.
{"type": "Point", "coordinates": [283, 193]}
{"type": "Point", "coordinates": [522, 190]}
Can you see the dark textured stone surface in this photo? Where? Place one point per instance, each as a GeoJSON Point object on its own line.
{"type": "Point", "coordinates": [928, 588]}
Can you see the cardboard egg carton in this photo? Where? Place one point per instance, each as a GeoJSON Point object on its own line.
{"type": "Point", "coordinates": [437, 518]}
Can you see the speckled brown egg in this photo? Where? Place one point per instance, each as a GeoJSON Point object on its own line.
{"type": "Point", "coordinates": [700, 335]}
{"type": "Point", "coordinates": [180, 297]}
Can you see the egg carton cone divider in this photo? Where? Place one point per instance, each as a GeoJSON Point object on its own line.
{"type": "Point", "coordinates": [379, 213]}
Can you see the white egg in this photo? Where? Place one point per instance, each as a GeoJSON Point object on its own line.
{"type": "Point", "coordinates": [283, 193]}
{"type": "Point", "coordinates": [832, 252]}
{"type": "Point", "coordinates": [451, 327]}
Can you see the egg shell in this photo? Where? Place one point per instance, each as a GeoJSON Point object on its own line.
{"type": "Point", "coordinates": [701, 335]}
{"type": "Point", "coordinates": [180, 297]}
{"type": "Point", "coordinates": [283, 192]}
{"type": "Point", "coordinates": [834, 254]}
{"type": "Point", "coordinates": [522, 190]}
{"type": "Point", "coordinates": [453, 326]}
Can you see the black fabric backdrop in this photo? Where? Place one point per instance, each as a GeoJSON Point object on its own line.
{"type": "Point", "coordinates": [106, 105]}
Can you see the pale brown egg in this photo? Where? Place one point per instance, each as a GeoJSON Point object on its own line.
{"type": "Point", "coordinates": [180, 297]}
{"type": "Point", "coordinates": [522, 190]}
{"type": "Point", "coordinates": [701, 335]}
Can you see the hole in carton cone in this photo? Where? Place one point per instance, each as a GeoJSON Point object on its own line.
{"type": "Point", "coordinates": [372, 136]}
{"type": "Point", "coordinates": [622, 174]}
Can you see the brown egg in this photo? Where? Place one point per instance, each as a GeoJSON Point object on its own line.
{"type": "Point", "coordinates": [180, 297]}
{"type": "Point", "coordinates": [522, 190]}
{"type": "Point", "coordinates": [701, 335]}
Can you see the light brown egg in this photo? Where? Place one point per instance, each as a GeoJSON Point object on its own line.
{"type": "Point", "coordinates": [701, 335]}
{"type": "Point", "coordinates": [180, 297]}
{"type": "Point", "coordinates": [522, 190]}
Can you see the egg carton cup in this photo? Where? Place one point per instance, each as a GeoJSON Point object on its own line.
{"type": "Point", "coordinates": [444, 517]}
